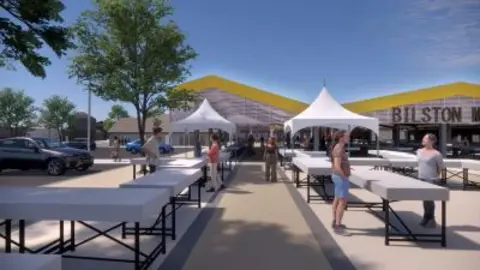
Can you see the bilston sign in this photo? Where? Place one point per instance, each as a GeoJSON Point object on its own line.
{"type": "Point", "coordinates": [434, 115]}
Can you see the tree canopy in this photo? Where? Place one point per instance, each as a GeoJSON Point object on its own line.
{"type": "Point", "coordinates": [31, 24]}
{"type": "Point", "coordinates": [17, 110]}
{"type": "Point", "coordinates": [57, 113]}
{"type": "Point", "coordinates": [117, 112]}
{"type": "Point", "coordinates": [129, 52]}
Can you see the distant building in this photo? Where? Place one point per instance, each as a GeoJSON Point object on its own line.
{"type": "Point", "coordinates": [43, 132]}
{"type": "Point", "coordinates": [128, 128]}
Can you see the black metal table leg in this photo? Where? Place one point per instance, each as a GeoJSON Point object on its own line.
{"type": "Point", "coordinates": [173, 217]}
{"type": "Point", "coordinates": [444, 224]}
{"type": "Point", "coordinates": [8, 235]}
{"type": "Point", "coordinates": [21, 236]}
{"type": "Point", "coordinates": [134, 171]}
{"type": "Point", "coordinates": [199, 195]}
{"type": "Point", "coordinates": [308, 188]}
{"type": "Point", "coordinates": [222, 168]}
{"type": "Point", "coordinates": [72, 235]}
{"type": "Point", "coordinates": [386, 205]}
{"type": "Point", "coordinates": [137, 246]}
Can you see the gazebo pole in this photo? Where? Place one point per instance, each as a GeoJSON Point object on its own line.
{"type": "Point", "coordinates": [378, 144]}
{"type": "Point", "coordinates": [349, 141]}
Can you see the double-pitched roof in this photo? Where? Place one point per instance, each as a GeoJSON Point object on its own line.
{"type": "Point", "coordinates": [128, 125]}
{"type": "Point", "coordinates": [362, 106]}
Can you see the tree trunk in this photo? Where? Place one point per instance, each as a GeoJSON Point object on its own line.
{"type": "Point", "coordinates": [141, 132]}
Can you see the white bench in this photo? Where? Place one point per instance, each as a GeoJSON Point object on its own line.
{"type": "Point", "coordinates": [394, 187]}
{"type": "Point", "coordinates": [79, 205]}
{"type": "Point", "coordinates": [25, 261]}
{"type": "Point", "coordinates": [175, 181]}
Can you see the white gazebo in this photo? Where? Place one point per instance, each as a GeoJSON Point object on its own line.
{"type": "Point", "coordinates": [325, 111]}
{"type": "Point", "coordinates": [203, 119]}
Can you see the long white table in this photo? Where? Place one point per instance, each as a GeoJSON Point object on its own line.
{"type": "Point", "coordinates": [163, 163]}
{"type": "Point", "coordinates": [175, 181]}
{"type": "Point", "coordinates": [79, 205]}
{"type": "Point", "coordinates": [393, 187]}
{"type": "Point", "coordinates": [19, 261]}
{"type": "Point", "coordinates": [286, 155]}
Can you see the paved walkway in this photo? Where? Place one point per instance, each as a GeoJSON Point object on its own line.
{"type": "Point", "coordinates": [256, 225]}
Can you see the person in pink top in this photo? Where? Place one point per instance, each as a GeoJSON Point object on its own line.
{"type": "Point", "coordinates": [213, 157]}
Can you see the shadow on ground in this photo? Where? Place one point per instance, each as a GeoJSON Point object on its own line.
{"type": "Point", "coordinates": [227, 244]}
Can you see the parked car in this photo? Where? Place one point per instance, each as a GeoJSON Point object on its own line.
{"type": "Point", "coordinates": [135, 146]}
{"type": "Point", "coordinates": [81, 143]}
{"type": "Point", "coordinates": [42, 153]}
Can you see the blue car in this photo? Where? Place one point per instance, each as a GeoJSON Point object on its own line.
{"type": "Point", "coordinates": [135, 146]}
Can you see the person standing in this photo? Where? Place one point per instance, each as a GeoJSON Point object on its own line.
{"type": "Point", "coordinates": [341, 183]}
{"type": "Point", "coordinates": [271, 160]}
{"type": "Point", "coordinates": [116, 149]}
{"type": "Point", "coordinates": [150, 148]}
{"type": "Point", "coordinates": [213, 157]}
{"type": "Point", "coordinates": [430, 166]}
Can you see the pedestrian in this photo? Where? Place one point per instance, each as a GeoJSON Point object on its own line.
{"type": "Point", "coordinates": [270, 157]}
{"type": "Point", "coordinates": [213, 158]}
{"type": "Point", "coordinates": [116, 149]}
{"type": "Point", "coordinates": [430, 166]}
{"type": "Point", "coordinates": [150, 148]}
{"type": "Point", "coordinates": [340, 174]}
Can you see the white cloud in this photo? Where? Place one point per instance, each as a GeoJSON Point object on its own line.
{"type": "Point", "coordinates": [449, 31]}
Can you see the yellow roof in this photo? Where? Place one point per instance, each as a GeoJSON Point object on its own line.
{"type": "Point", "coordinates": [245, 91]}
{"type": "Point", "coordinates": [362, 106]}
{"type": "Point", "coordinates": [417, 96]}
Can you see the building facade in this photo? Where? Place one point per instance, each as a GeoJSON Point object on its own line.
{"type": "Point", "coordinates": [449, 110]}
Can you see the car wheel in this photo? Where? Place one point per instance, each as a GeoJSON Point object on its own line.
{"type": "Point", "coordinates": [163, 151]}
{"type": "Point", "coordinates": [55, 167]}
{"type": "Point", "coordinates": [82, 168]}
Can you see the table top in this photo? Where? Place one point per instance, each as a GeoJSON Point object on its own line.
{"type": "Point", "coordinates": [86, 204]}
{"type": "Point", "coordinates": [174, 180]}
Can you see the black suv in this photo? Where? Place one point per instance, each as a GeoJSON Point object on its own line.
{"type": "Point", "coordinates": [42, 153]}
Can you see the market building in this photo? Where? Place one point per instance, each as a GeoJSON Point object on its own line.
{"type": "Point", "coordinates": [450, 111]}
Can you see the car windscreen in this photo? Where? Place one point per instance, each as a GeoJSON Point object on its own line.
{"type": "Point", "coordinates": [49, 143]}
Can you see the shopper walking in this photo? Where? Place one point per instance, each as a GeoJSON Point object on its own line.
{"type": "Point", "coordinates": [213, 157]}
{"type": "Point", "coordinates": [270, 157]}
{"type": "Point", "coordinates": [150, 148]}
{"type": "Point", "coordinates": [340, 174]}
{"type": "Point", "coordinates": [430, 165]}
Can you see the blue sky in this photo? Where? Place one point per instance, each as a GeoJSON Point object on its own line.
{"type": "Point", "coordinates": [362, 48]}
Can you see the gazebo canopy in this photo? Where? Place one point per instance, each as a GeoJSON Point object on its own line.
{"type": "Point", "coordinates": [325, 111]}
{"type": "Point", "coordinates": [203, 119]}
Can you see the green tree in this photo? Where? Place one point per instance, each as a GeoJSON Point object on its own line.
{"type": "Point", "coordinates": [17, 110]}
{"type": "Point", "coordinates": [117, 112]}
{"type": "Point", "coordinates": [57, 113]}
{"type": "Point", "coordinates": [30, 25]}
{"type": "Point", "coordinates": [127, 52]}
{"type": "Point", "coordinates": [108, 124]}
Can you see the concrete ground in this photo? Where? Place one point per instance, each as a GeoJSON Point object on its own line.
{"type": "Point", "coordinates": [365, 245]}
{"type": "Point", "coordinates": [255, 225]}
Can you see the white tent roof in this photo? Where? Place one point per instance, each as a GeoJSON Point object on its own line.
{"type": "Point", "coordinates": [327, 112]}
{"type": "Point", "coordinates": [239, 119]}
{"type": "Point", "coordinates": [204, 118]}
